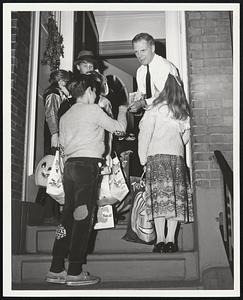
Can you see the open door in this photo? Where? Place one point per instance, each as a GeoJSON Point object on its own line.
{"type": "Point", "coordinates": [85, 35]}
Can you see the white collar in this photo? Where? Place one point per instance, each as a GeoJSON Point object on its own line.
{"type": "Point", "coordinates": [152, 63]}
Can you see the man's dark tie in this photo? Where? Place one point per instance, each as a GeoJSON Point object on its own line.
{"type": "Point", "coordinates": [148, 84]}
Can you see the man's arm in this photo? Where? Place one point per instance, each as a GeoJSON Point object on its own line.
{"type": "Point", "coordinates": [160, 75]}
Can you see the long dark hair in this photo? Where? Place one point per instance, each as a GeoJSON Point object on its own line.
{"type": "Point", "coordinates": [174, 96]}
{"type": "Point", "coordinates": [55, 76]}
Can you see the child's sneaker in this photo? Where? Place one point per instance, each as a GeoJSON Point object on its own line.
{"type": "Point", "coordinates": [84, 278]}
{"type": "Point", "coordinates": [56, 277]}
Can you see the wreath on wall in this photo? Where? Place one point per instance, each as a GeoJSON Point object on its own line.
{"type": "Point", "coordinates": [54, 45]}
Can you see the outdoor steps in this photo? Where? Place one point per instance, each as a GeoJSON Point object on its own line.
{"type": "Point", "coordinates": [113, 259]}
{"type": "Point", "coordinates": [39, 239]}
{"type": "Point", "coordinates": [111, 288]}
{"type": "Point", "coordinates": [115, 267]}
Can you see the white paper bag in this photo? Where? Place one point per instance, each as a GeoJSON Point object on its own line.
{"type": "Point", "coordinates": [118, 186]}
{"type": "Point", "coordinates": [113, 187]}
{"type": "Point", "coordinates": [105, 217]}
{"type": "Point", "coordinates": [54, 186]}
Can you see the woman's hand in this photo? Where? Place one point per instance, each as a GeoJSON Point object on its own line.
{"type": "Point", "coordinates": [54, 140]}
{"type": "Point", "coordinates": [144, 168]}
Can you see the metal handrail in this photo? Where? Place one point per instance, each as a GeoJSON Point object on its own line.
{"type": "Point", "coordinates": [226, 224]}
{"type": "Point", "coordinates": [226, 170]}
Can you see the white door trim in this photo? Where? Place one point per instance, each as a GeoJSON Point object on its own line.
{"type": "Point", "coordinates": [176, 52]}
{"type": "Point", "coordinates": [67, 31]}
{"type": "Point", "coordinates": [32, 92]}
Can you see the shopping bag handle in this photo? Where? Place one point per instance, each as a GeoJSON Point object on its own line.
{"type": "Point", "coordinates": [142, 177]}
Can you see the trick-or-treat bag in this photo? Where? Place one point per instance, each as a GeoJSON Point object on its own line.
{"type": "Point", "coordinates": [113, 187]}
{"type": "Point", "coordinates": [43, 170]}
{"type": "Point", "coordinates": [118, 184]}
{"type": "Point", "coordinates": [105, 217]}
{"type": "Point", "coordinates": [139, 229]}
{"type": "Point", "coordinates": [54, 182]}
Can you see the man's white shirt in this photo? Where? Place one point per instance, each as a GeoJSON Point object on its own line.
{"type": "Point", "coordinates": [159, 69]}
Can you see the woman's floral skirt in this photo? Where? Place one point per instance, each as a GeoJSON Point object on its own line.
{"type": "Point", "coordinates": [168, 193]}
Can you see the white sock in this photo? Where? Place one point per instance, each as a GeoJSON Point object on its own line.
{"type": "Point", "coordinates": [171, 226]}
{"type": "Point", "coordinates": [160, 229]}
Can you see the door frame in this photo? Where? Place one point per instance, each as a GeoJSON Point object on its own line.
{"type": "Point", "coordinates": [176, 52]}
{"type": "Point", "coordinates": [175, 20]}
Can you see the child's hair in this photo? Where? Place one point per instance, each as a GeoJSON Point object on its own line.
{"type": "Point", "coordinates": [78, 86]}
{"type": "Point", "coordinates": [55, 76]}
{"type": "Point", "coordinates": [104, 90]}
{"type": "Point", "coordinates": [174, 96]}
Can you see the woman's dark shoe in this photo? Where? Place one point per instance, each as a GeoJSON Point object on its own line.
{"type": "Point", "coordinates": [171, 247]}
{"type": "Point", "coordinates": [159, 248]}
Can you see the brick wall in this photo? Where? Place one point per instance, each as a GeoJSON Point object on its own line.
{"type": "Point", "coordinates": [20, 43]}
{"type": "Point", "coordinates": [211, 92]}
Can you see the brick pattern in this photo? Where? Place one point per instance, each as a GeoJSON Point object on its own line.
{"type": "Point", "coordinates": [20, 43]}
{"type": "Point", "coordinates": [211, 92]}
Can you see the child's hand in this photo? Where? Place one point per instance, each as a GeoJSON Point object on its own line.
{"type": "Point", "coordinates": [54, 140]}
{"type": "Point", "coordinates": [124, 106]}
{"type": "Point", "coordinates": [137, 105]}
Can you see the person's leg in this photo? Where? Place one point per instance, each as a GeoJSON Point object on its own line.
{"type": "Point", "coordinates": [159, 224]}
{"type": "Point", "coordinates": [171, 226]}
{"type": "Point", "coordinates": [170, 238]}
{"type": "Point", "coordinates": [85, 187]}
{"type": "Point", "coordinates": [64, 229]}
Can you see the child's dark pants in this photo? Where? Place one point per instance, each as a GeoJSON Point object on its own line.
{"type": "Point", "coordinates": [72, 235]}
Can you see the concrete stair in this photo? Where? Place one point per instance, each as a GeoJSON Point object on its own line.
{"type": "Point", "coordinates": [113, 259]}
{"type": "Point", "coordinates": [111, 288]}
{"type": "Point", "coordinates": [115, 267]}
{"type": "Point", "coordinates": [39, 239]}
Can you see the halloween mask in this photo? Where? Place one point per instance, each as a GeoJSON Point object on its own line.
{"type": "Point", "coordinates": [43, 170]}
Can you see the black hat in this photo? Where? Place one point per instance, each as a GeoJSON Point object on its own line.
{"type": "Point", "coordinates": [85, 55]}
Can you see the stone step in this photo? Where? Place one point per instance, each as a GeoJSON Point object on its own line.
{"type": "Point", "coordinates": [109, 286]}
{"type": "Point", "coordinates": [115, 267]}
{"type": "Point", "coordinates": [39, 239]}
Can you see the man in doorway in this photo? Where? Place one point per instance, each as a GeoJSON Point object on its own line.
{"type": "Point", "coordinates": [153, 72]}
{"type": "Point", "coordinates": [85, 61]}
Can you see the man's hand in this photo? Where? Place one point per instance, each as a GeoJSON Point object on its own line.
{"type": "Point", "coordinates": [54, 140]}
{"type": "Point", "coordinates": [137, 105]}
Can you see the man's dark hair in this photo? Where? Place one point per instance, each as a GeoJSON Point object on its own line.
{"type": "Point", "coordinates": [78, 86]}
{"type": "Point", "coordinates": [144, 36]}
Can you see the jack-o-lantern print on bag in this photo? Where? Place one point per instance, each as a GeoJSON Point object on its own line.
{"type": "Point", "coordinates": [139, 229]}
{"type": "Point", "coordinates": [43, 170]}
